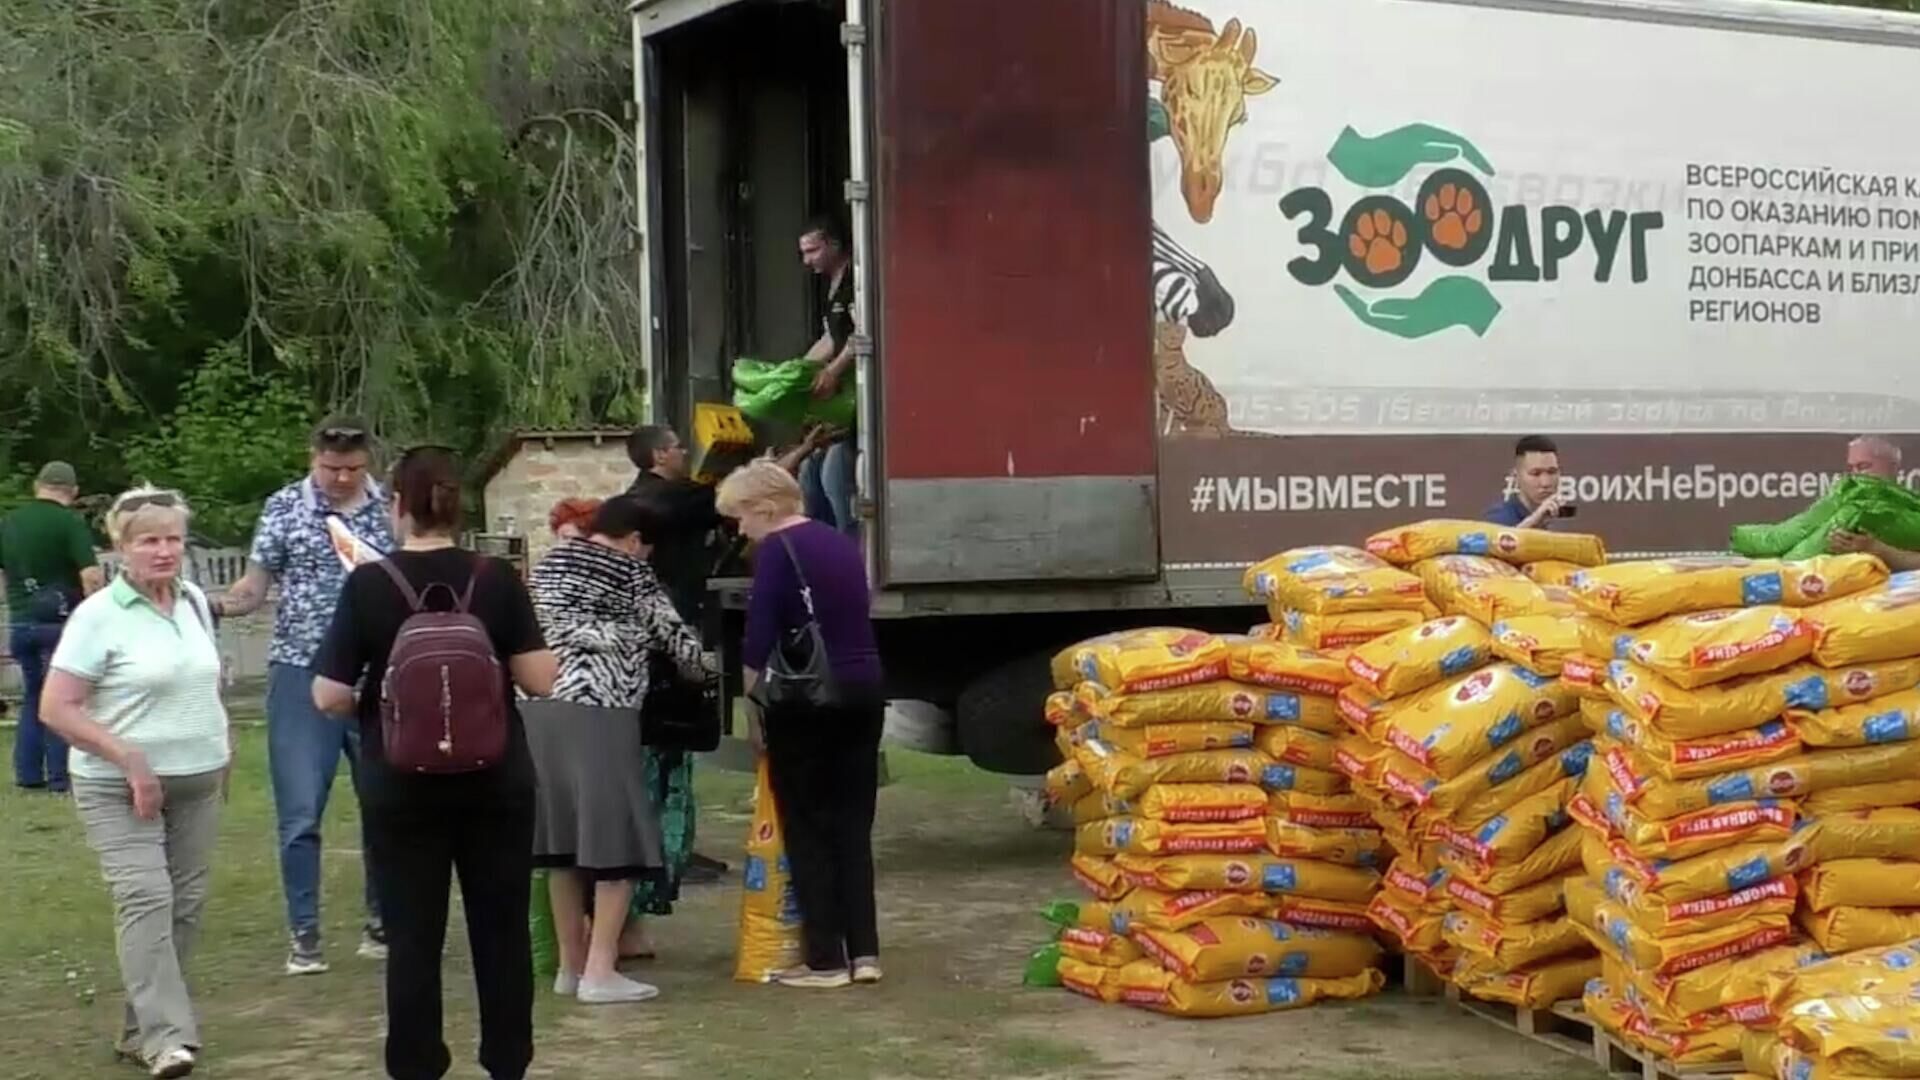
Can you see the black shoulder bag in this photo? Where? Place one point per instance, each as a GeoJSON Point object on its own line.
{"type": "Point", "coordinates": [798, 670]}
{"type": "Point", "coordinates": [679, 714]}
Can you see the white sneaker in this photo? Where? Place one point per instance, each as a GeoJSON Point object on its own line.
{"type": "Point", "coordinates": [172, 1063]}
{"type": "Point", "coordinates": [566, 983]}
{"type": "Point", "coordinates": [616, 990]}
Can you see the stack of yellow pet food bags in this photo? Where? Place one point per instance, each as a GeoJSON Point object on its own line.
{"type": "Point", "coordinates": [1331, 599]}
{"type": "Point", "coordinates": [1693, 838]}
{"type": "Point", "coordinates": [1171, 790]}
{"type": "Point", "coordinates": [1853, 1016]}
{"type": "Point", "coordinates": [1864, 891]}
{"type": "Point", "coordinates": [1476, 759]}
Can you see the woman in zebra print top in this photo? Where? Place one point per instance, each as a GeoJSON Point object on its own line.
{"type": "Point", "coordinates": [602, 793]}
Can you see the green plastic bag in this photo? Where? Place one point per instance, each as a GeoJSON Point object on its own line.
{"type": "Point", "coordinates": [781, 392]}
{"type": "Point", "coordinates": [1043, 967]}
{"type": "Point", "coordinates": [1879, 508]}
{"type": "Point", "coordinates": [546, 943]}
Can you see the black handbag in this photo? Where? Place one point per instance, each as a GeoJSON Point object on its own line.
{"type": "Point", "coordinates": [798, 670]}
{"type": "Point", "coordinates": [679, 714]}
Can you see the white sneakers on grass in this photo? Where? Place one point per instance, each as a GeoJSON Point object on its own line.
{"type": "Point", "coordinates": [615, 990]}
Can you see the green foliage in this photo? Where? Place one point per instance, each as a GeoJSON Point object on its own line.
{"type": "Point", "coordinates": [225, 219]}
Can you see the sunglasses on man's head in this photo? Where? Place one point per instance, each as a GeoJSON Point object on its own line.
{"type": "Point", "coordinates": [165, 499]}
{"type": "Point", "coordinates": [343, 436]}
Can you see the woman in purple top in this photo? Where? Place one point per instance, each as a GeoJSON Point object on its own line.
{"type": "Point", "coordinates": [823, 761]}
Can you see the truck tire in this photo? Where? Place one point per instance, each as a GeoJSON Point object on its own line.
{"type": "Point", "coordinates": [1002, 718]}
{"type": "Point", "coordinates": [922, 727]}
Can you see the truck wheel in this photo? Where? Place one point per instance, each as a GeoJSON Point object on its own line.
{"type": "Point", "coordinates": [921, 726]}
{"type": "Point", "coordinates": [1002, 718]}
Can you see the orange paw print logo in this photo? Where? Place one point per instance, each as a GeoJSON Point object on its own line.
{"type": "Point", "coordinates": [1454, 217]}
{"type": "Point", "coordinates": [1379, 242]}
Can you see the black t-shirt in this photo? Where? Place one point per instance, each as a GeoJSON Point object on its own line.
{"type": "Point", "coordinates": [840, 311]}
{"type": "Point", "coordinates": [367, 621]}
{"type": "Point", "coordinates": [683, 556]}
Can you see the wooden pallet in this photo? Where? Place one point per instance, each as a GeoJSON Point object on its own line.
{"type": "Point", "coordinates": [1566, 1027]}
{"type": "Point", "coordinates": [1569, 1032]}
{"type": "Point", "coordinates": [1419, 980]}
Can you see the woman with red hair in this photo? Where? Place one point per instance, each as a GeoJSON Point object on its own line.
{"type": "Point", "coordinates": [569, 517]}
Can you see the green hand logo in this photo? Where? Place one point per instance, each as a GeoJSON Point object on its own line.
{"type": "Point", "coordinates": [1384, 160]}
{"type": "Point", "coordinates": [1448, 302]}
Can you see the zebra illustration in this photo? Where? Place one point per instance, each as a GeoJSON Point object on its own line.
{"type": "Point", "coordinates": [1185, 289]}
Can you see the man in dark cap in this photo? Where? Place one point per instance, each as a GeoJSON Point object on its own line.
{"type": "Point", "coordinates": [46, 553]}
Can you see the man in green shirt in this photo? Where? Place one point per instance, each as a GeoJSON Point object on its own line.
{"type": "Point", "coordinates": [46, 553]}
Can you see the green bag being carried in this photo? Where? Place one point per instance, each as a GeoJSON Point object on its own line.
{"type": "Point", "coordinates": [1879, 508]}
{"type": "Point", "coordinates": [781, 392]}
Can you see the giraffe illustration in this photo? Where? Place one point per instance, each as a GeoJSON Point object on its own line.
{"type": "Point", "coordinates": [1205, 79]}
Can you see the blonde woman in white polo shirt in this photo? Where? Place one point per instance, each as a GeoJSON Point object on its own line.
{"type": "Point", "coordinates": [135, 690]}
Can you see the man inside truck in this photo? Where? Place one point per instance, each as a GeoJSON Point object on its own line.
{"type": "Point", "coordinates": [1536, 502]}
{"type": "Point", "coordinates": [827, 477]}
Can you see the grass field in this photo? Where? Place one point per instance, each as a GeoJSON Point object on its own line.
{"type": "Point", "coordinates": [961, 878]}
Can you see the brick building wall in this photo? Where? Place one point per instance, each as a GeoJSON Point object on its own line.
{"type": "Point", "coordinates": [539, 469]}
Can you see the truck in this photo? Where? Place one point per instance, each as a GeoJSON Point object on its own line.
{"type": "Point", "coordinates": [1149, 291]}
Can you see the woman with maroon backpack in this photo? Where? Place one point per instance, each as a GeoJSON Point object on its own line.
{"type": "Point", "coordinates": [436, 637]}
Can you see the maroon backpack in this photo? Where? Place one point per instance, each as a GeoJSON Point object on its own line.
{"type": "Point", "coordinates": [443, 702]}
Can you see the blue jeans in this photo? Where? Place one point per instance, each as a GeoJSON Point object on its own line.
{"type": "Point", "coordinates": [39, 756]}
{"type": "Point", "coordinates": [828, 483]}
{"type": "Point", "coordinates": [304, 746]}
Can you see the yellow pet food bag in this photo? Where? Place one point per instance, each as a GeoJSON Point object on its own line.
{"type": "Point", "coordinates": [1530, 904]}
{"type": "Point", "coordinates": [1141, 837]}
{"type": "Point", "coordinates": [1688, 835]}
{"type": "Point", "coordinates": [1278, 666]}
{"type": "Point", "coordinates": [1692, 758]}
{"type": "Point", "coordinates": [1868, 883]}
{"type": "Point", "coordinates": [1203, 802]}
{"type": "Point", "coordinates": [1872, 833]}
{"type": "Point", "coordinates": [1099, 806]}
{"type": "Point", "coordinates": [1774, 898]}
{"type": "Point", "coordinates": [1345, 811]}
{"type": "Point", "coordinates": [1418, 885]}
{"type": "Point", "coordinates": [1892, 970]}
{"type": "Point", "coordinates": [1559, 979]}
{"type": "Point", "coordinates": [1495, 782]}
{"type": "Point", "coordinates": [1216, 702]}
{"type": "Point", "coordinates": [1584, 675]}
{"type": "Point", "coordinates": [1163, 740]}
{"type": "Point", "coordinates": [1707, 876]}
{"type": "Point", "coordinates": [1659, 798]}
{"type": "Point", "coordinates": [1410, 544]}
{"type": "Point", "coordinates": [1101, 947]}
{"type": "Point", "coordinates": [1363, 713]}
{"type": "Point", "coordinates": [1895, 718]}
{"type": "Point", "coordinates": [1639, 592]}
{"type": "Point", "coordinates": [1871, 796]}
{"type": "Point", "coordinates": [1060, 710]}
{"type": "Point", "coordinates": [1099, 876]}
{"type": "Point", "coordinates": [1178, 910]}
{"type": "Point", "coordinates": [1321, 914]}
{"type": "Point", "coordinates": [1492, 600]}
{"type": "Point", "coordinates": [1735, 989]}
{"type": "Point", "coordinates": [1510, 946]}
{"type": "Point", "coordinates": [1857, 1035]}
{"type": "Point", "coordinates": [1880, 624]}
{"type": "Point", "coordinates": [1692, 651]}
{"type": "Point", "coordinates": [1342, 630]}
{"type": "Point", "coordinates": [1559, 854]}
{"type": "Point", "coordinates": [1096, 981]}
{"type": "Point", "coordinates": [1228, 873]}
{"type": "Point", "coordinates": [1457, 724]}
{"type": "Point", "coordinates": [1444, 576]}
{"type": "Point", "coordinates": [1329, 580]}
{"type": "Point", "coordinates": [1848, 929]}
{"type": "Point", "coordinates": [1420, 656]}
{"type": "Point", "coordinates": [1231, 948]}
{"type": "Point", "coordinates": [1296, 746]}
{"type": "Point", "coordinates": [768, 939]}
{"type": "Point", "coordinates": [1681, 953]}
{"type": "Point", "coordinates": [1126, 776]}
{"type": "Point", "coordinates": [1247, 997]}
{"type": "Point", "coordinates": [1418, 931]}
{"type": "Point", "coordinates": [1139, 661]}
{"type": "Point", "coordinates": [1553, 572]}
{"type": "Point", "coordinates": [1067, 783]}
{"type": "Point", "coordinates": [1343, 847]}
{"type": "Point", "coordinates": [1510, 837]}
{"type": "Point", "coordinates": [1539, 643]}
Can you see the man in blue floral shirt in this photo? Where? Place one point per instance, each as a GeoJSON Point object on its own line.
{"type": "Point", "coordinates": [309, 533]}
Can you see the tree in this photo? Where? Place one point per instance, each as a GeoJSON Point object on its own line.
{"type": "Point", "coordinates": [419, 210]}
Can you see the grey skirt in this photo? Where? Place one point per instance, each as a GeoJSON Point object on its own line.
{"type": "Point", "coordinates": [593, 809]}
